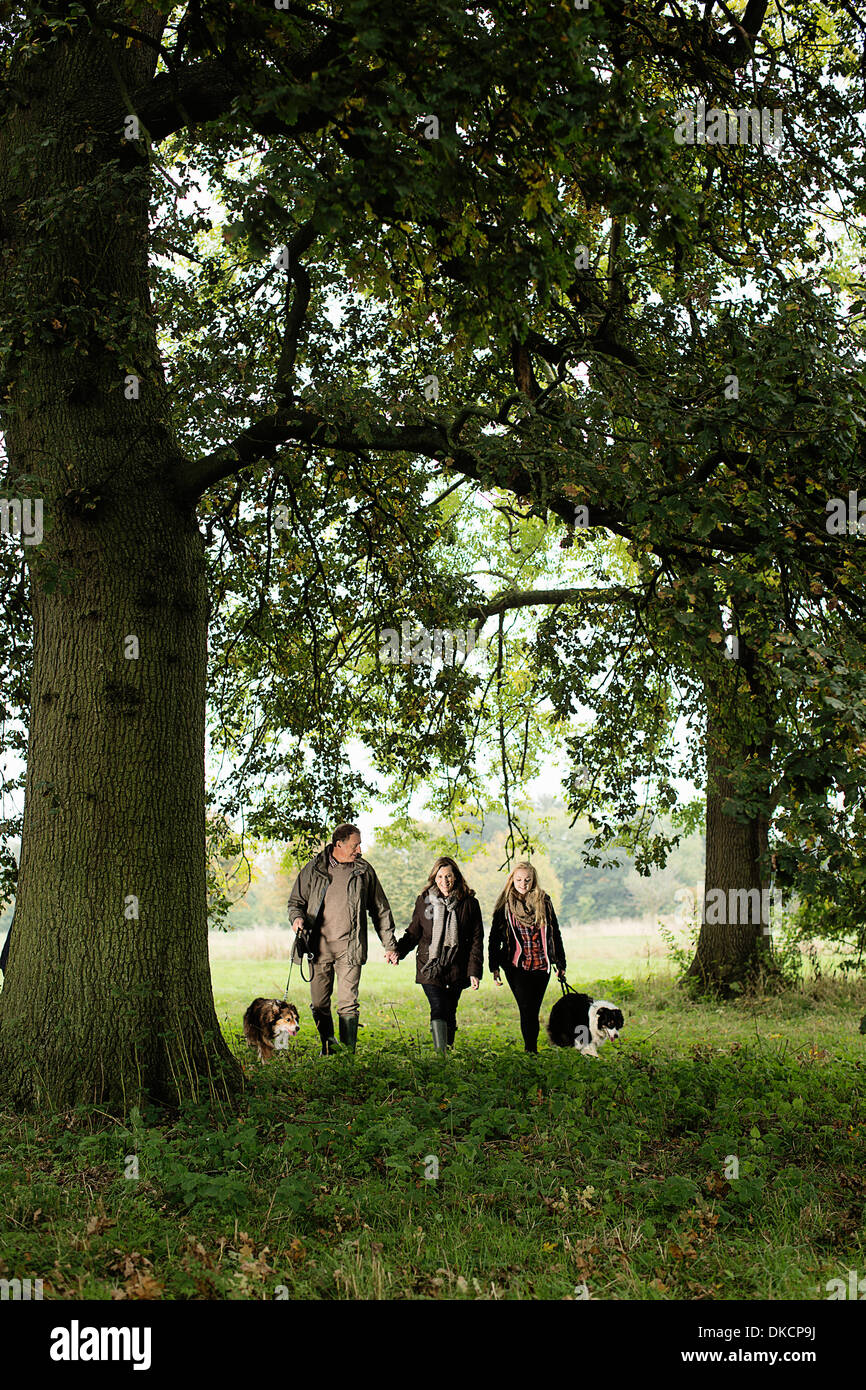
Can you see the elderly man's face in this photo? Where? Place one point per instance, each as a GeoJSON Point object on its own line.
{"type": "Point", "coordinates": [347, 851]}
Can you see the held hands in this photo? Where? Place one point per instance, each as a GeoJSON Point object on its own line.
{"type": "Point", "coordinates": [474, 981]}
{"type": "Point", "coordinates": [392, 958]}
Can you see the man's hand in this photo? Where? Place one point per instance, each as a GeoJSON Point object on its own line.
{"type": "Point", "coordinates": [298, 924]}
{"type": "Point", "coordinates": [474, 981]}
{"type": "Point", "coordinates": [496, 979]}
{"type": "Point", "coordinates": [392, 958]}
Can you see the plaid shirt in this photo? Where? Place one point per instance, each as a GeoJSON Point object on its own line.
{"type": "Point", "coordinates": [531, 952]}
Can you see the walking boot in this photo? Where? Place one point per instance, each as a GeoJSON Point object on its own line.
{"type": "Point", "coordinates": [439, 1029]}
{"type": "Point", "coordinates": [452, 1030]}
{"type": "Point", "coordinates": [325, 1025]}
{"type": "Point", "coordinates": [349, 1031]}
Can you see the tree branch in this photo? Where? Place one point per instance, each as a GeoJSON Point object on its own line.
{"type": "Point", "coordinates": [188, 96]}
{"type": "Point", "coordinates": [295, 424]}
{"type": "Point", "coordinates": [298, 289]}
{"type": "Point", "coordinates": [535, 598]}
{"type": "Point", "coordinates": [738, 48]}
{"type": "Point", "coordinates": [205, 91]}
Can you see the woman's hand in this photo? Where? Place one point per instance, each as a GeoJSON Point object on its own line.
{"type": "Point", "coordinates": [496, 979]}
{"type": "Point", "coordinates": [474, 981]}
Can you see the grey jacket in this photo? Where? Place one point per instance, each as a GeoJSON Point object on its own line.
{"type": "Point", "coordinates": [365, 897]}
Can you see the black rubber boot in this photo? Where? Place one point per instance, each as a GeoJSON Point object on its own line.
{"type": "Point", "coordinates": [439, 1029]}
{"type": "Point", "coordinates": [452, 1030]}
{"type": "Point", "coordinates": [349, 1032]}
{"type": "Point", "coordinates": [325, 1024]}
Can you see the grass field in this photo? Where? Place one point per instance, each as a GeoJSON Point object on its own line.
{"type": "Point", "coordinates": [486, 1174]}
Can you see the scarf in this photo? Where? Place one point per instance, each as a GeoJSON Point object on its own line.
{"type": "Point", "coordinates": [443, 945]}
{"type": "Point", "coordinates": [520, 909]}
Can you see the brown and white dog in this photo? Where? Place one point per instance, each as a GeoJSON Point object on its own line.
{"type": "Point", "coordinates": [267, 1020]}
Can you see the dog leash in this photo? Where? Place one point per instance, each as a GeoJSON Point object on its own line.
{"type": "Point", "coordinates": [307, 955]}
{"type": "Point", "coordinates": [566, 987]}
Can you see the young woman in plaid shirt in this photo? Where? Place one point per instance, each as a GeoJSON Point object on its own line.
{"type": "Point", "coordinates": [525, 942]}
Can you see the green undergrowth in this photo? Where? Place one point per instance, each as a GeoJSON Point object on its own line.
{"type": "Point", "coordinates": [715, 1153]}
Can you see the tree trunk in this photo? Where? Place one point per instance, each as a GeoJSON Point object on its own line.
{"type": "Point", "coordinates": [108, 994]}
{"type": "Point", "coordinates": [733, 943]}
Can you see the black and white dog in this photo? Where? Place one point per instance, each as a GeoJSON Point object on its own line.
{"type": "Point", "coordinates": [578, 1021]}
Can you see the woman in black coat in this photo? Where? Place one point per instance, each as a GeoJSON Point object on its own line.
{"type": "Point", "coordinates": [525, 942]}
{"type": "Point", "coordinates": [447, 929]}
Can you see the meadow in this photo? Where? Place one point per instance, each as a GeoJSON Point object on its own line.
{"type": "Point", "coordinates": [715, 1152]}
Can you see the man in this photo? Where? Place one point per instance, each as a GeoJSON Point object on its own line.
{"type": "Point", "coordinates": [328, 908]}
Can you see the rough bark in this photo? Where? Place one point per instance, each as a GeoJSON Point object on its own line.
{"type": "Point", "coordinates": [108, 995]}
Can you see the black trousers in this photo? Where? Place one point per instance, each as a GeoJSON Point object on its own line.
{"type": "Point", "coordinates": [528, 988]}
{"type": "Point", "coordinates": [4, 954]}
{"type": "Point", "coordinates": [443, 1001]}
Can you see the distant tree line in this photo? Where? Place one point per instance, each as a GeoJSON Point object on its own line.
{"type": "Point", "coordinates": [580, 893]}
